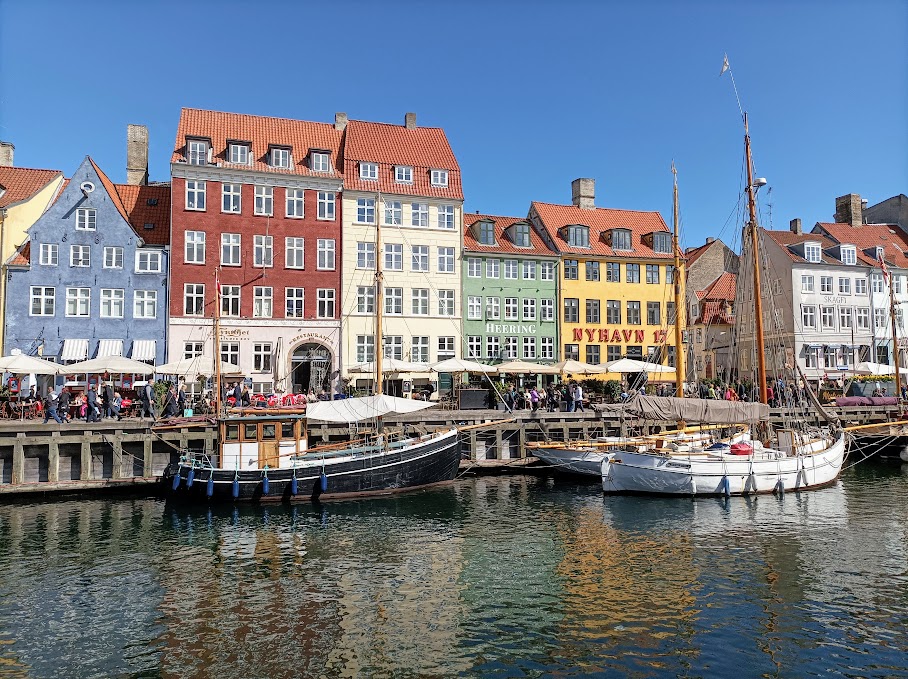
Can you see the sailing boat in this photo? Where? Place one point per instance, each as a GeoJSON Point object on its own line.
{"type": "Point", "coordinates": [264, 454]}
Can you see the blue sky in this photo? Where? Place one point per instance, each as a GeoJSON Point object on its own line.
{"type": "Point", "coordinates": [531, 94]}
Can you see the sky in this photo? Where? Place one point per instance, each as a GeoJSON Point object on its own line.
{"type": "Point", "coordinates": [530, 94]}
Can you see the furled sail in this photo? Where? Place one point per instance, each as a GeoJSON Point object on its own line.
{"type": "Point", "coordinates": [705, 411]}
{"type": "Point", "coordinates": [365, 408]}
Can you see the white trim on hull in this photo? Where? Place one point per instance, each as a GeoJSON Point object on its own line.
{"type": "Point", "coordinates": [574, 460]}
{"type": "Point", "coordinates": [763, 472]}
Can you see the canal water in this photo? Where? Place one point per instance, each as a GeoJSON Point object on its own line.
{"type": "Point", "coordinates": [512, 576]}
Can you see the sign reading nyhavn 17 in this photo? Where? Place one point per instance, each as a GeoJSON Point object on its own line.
{"type": "Point", "coordinates": [616, 336]}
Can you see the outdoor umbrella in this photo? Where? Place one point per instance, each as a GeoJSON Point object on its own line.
{"type": "Point", "coordinates": [573, 367]}
{"type": "Point", "coordinates": [460, 365]}
{"type": "Point", "coordinates": [877, 369]}
{"type": "Point", "coordinates": [109, 364]}
{"type": "Point", "coordinates": [392, 365]}
{"type": "Point", "coordinates": [526, 368]}
{"type": "Point", "coordinates": [197, 365]}
{"type": "Point", "coordinates": [630, 365]}
{"type": "Point", "coordinates": [22, 364]}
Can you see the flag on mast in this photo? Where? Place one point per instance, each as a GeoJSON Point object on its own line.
{"type": "Point", "coordinates": [725, 66]}
{"type": "Point", "coordinates": [882, 263]}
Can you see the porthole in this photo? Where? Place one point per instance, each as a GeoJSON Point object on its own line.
{"type": "Point", "coordinates": [88, 187]}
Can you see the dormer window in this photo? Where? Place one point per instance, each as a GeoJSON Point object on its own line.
{"type": "Point", "coordinates": [238, 153]}
{"type": "Point", "coordinates": [621, 239]}
{"type": "Point", "coordinates": [662, 242]}
{"type": "Point", "coordinates": [403, 174]}
{"type": "Point", "coordinates": [848, 254]}
{"type": "Point", "coordinates": [368, 171]}
{"type": "Point", "coordinates": [521, 235]}
{"type": "Point", "coordinates": [280, 157]}
{"type": "Point", "coordinates": [578, 236]}
{"type": "Point", "coordinates": [319, 161]}
{"type": "Point", "coordinates": [439, 178]}
{"type": "Point", "coordinates": [879, 255]}
{"type": "Point", "coordinates": [197, 152]}
{"type": "Point", "coordinates": [813, 253]}
{"type": "Point", "coordinates": [487, 233]}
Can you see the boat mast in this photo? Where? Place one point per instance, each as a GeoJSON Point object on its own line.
{"type": "Point", "coordinates": [378, 350]}
{"type": "Point", "coordinates": [755, 252]}
{"type": "Point", "coordinates": [895, 338]}
{"type": "Point", "coordinates": [679, 305]}
{"type": "Point", "coordinates": [216, 339]}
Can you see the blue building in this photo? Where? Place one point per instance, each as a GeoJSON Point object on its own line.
{"type": "Point", "coordinates": [91, 280]}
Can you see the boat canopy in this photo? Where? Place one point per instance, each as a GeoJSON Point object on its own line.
{"type": "Point", "coordinates": [364, 408]}
{"type": "Point", "coordinates": [706, 411]}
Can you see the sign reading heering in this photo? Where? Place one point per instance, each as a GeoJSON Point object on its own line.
{"type": "Point", "coordinates": [511, 328]}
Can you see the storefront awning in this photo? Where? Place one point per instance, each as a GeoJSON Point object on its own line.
{"type": "Point", "coordinates": [143, 350]}
{"type": "Point", "coordinates": [74, 350]}
{"type": "Point", "coordinates": [833, 346]}
{"type": "Point", "coordinates": [109, 347]}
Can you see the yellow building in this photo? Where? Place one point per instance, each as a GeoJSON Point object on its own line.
{"type": "Point", "coordinates": [616, 296]}
{"type": "Point", "coordinates": [24, 196]}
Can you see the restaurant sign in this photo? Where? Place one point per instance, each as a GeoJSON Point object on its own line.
{"type": "Point", "coordinates": [616, 336]}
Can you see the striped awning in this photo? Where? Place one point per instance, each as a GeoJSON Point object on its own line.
{"type": "Point", "coordinates": [74, 350]}
{"type": "Point", "coordinates": [143, 350]}
{"type": "Point", "coordinates": [109, 347]}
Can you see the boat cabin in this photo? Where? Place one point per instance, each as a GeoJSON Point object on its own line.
{"type": "Point", "coordinates": [249, 442]}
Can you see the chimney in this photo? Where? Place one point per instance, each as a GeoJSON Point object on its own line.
{"type": "Point", "coordinates": [710, 241]}
{"type": "Point", "coordinates": [848, 209]}
{"type": "Point", "coordinates": [795, 225]}
{"type": "Point", "coordinates": [137, 155]}
{"type": "Point", "coordinates": [6, 154]}
{"type": "Point", "coordinates": [340, 121]}
{"type": "Point", "coordinates": [410, 121]}
{"type": "Point", "coordinates": [583, 193]}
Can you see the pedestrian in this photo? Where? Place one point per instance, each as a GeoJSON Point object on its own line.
{"type": "Point", "coordinates": [63, 402]}
{"type": "Point", "coordinates": [148, 404]}
{"type": "Point", "coordinates": [115, 405]}
{"type": "Point", "coordinates": [50, 407]}
{"type": "Point", "coordinates": [92, 411]}
{"type": "Point", "coordinates": [534, 399]}
{"type": "Point", "coordinates": [578, 397]}
{"type": "Point", "coordinates": [107, 394]}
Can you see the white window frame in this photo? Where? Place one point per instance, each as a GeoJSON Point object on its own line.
{"type": "Point", "coordinates": [547, 271]}
{"type": "Point", "coordinates": [419, 301]}
{"type": "Point", "coordinates": [447, 260]}
{"type": "Point", "coordinates": [813, 252]}
{"type": "Point", "coordinates": [808, 316]}
{"type": "Point", "coordinates": [262, 251]}
{"type": "Point", "coordinates": [445, 218]}
{"type": "Point", "coordinates": [238, 154]}
{"type": "Point", "coordinates": [231, 246]}
{"type": "Point", "coordinates": [827, 313]}
{"type": "Point", "coordinates": [547, 348]}
{"type": "Point", "coordinates": [393, 347]}
{"type": "Point", "coordinates": [148, 261]}
{"type": "Point", "coordinates": [86, 219]}
{"type": "Point", "coordinates": [231, 198]}
{"type": "Point", "coordinates": [113, 300]}
{"type": "Point", "coordinates": [319, 161]}
{"type": "Point", "coordinates": [394, 257]}
{"type": "Point", "coordinates": [826, 285]}
{"type": "Point", "coordinates": [50, 254]}
{"type": "Point", "coordinates": [447, 306]}
{"type": "Point", "coordinates": [394, 301]}
{"type": "Point", "coordinates": [365, 211]}
{"type": "Point", "coordinates": [231, 300]}
{"type": "Point", "coordinates": [194, 243]}
{"type": "Point", "coordinates": [860, 286]}
{"type": "Point", "coordinates": [194, 292]}
{"type": "Point", "coordinates": [326, 303]}
{"type": "Point", "coordinates": [862, 318]}
{"type": "Point", "coordinates": [547, 310]}
{"type": "Point", "coordinates": [295, 302]}
{"type": "Point", "coordinates": [419, 258]}
{"type": "Point", "coordinates": [294, 252]}
{"type": "Point", "coordinates": [368, 171]}
{"type": "Point", "coordinates": [365, 255]}
{"type": "Point", "coordinates": [262, 353]}
{"type": "Point", "coordinates": [327, 254]}
{"type": "Point", "coordinates": [403, 174]}
{"type": "Point", "coordinates": [511, 269]}
{"type": "Point", "coordinates": [80, 299]}
{"type": "Point", "coordinates": [529, 308]}
{"type": "Point", "coordinates": [528, 269]}
{"type": "Point", "coordinates": [196, 195]}
{"type": "Point", "coordinates": [529, 347]}
{"type": "Point", "coordinates": [493, 347]}
{"type": "Point", "coordinates": [262, 301]}
{"type": "Point", "coordinates": [47, 301]}
{"type": "Point", "coordinates": [393, 213]}
{"type": "Point", "coordinates": [295, 203]}
{"type": "Point", "coordinates": [197, 151]}
{"type": "Point", "coordinates": [849, 255]}
{"type": "Point", "coordinates": [474, 267]}
{"type": "Point", "coordinates": [145, 304]}
{"type": "Point", "coordinates": [474, 347]}
{"type": "Point", "coordinates": [365, 299]}
{"type": "Point", "coordinates": [844, 286]}
{"type": "Point", "coordinates": [474, 308]}
{"type": "Point", "coordinates": [511, 308]}
{"type": "Point", "coordinates": [326, 206]}
{"type": "Point", "coordinates": [807, 283]}
{"type": "Point", "coordinates": [493, 268]}
{"type": "Point", "coordinates": [280, 157]}
{"type": "Point", "coordinates": [439, 178]}
{"type": "Point", "coordinates": [80, 256]}
{"type": "Point", "coordinates": [365, 348]}
{"type": "Point", "coordinates": [493, 308]}
{"type": "Point", "coordinates": [419, 214]}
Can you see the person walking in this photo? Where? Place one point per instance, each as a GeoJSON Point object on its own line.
{"type": "Point", "coordinates": [50, 407]}
{"type": "Point", "coordinates": [534, 399]}
{"type": "Point", "coordinates": [63, 401]}
{"type": "Point", "coordinates": [578, 397]}
{"type": "Point", "coordinates": [108, 394]}
{"type": "Point", "coordinates": [148, 406]}
{"type": "Point", "coordinates": [92, 411]}
{"type": "Point", "coordinates": [181, 397]}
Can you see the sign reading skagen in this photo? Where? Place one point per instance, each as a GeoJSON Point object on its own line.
{"type": "Point", "coordinates": [511, 328]}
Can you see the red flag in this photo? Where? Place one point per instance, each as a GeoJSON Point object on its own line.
{"type": "Point", "coordinates": [882, 263]}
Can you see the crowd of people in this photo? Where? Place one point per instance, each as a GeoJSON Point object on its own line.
{"type": "Point", "coordinates": [778, 392]}
{"type": "Point", "coordinates": [567, 396]}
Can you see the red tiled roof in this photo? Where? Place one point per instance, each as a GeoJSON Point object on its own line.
{"type": "Point", "coordinates": [723, 288]}
{"type": "Point", "coordinates": [503, 244]}
{"type": "Point", "coordinates": [786, 238]}
{"type": "Point", "coordinates": [21, 183]}
{"type": "Point", "coordinates": [22, 256]}
{"type": "Point", "coordinates": [137, 201]}
{"type": "Point", "coordinates": [111, 190]}
{"type": "Point", "coordinates": [714, 312]}
{"type": "Point", "coordinates": [261, 132]}
{"type": "Point", "coordinates": [599, 220]}
{"type": "Point", "coordinates": [422, 148]}
{"type": "Point", "coordinates": [890, 237]}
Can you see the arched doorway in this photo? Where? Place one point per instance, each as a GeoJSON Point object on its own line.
{"type": "Point", "coordinates": [310, 368]}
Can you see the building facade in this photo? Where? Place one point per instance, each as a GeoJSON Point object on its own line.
{"type": "Point", "coordinates": [510, 291]}
{"type": "Point", "coordinates": [710, 329]}
{"type": "Point", "coordinates": [257, 209]}
{"type": "Point", "coordinates": [91, 280]}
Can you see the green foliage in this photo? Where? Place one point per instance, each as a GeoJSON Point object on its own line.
{"type": "Point", "coordinates": [612, 390]}
{"type": "Point", "coordinates": [160, 392]}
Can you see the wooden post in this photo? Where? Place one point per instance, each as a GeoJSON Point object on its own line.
{"type": "Point", "coordinates": [499, 442]}
{"type": "Point", "coordinates": [473, 446]}
{"type": "Point", "coordinates": [117, 471]}
{"type": "Point", "coordinates": [53, 458]}
{"type": "Point", "coordinates": [86, 472]}
{"type": "Point", "coordinates": [18, 475]}
{"type": "Point", "coordinates": [147, 460]}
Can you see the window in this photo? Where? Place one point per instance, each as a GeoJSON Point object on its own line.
{"type": "Point", "coordinates": [880, 321]}
{"type": "Point", "coordinates": [845, 317]}
{"type": "Point", "coordinates": [325, 205]}
{"type": "Point", "coordinates": [365, 255]}
{"type": "Point", "coordinates": [403, 174]}
{"type": "Point", "coordinates": [394, 214]}
{"type": "Point", "coordinates": [439, 178]}
{"type": "Point", "coordinates": [368, 171]}
{"type": "Point", "coordinates": [145, 304]}
{"type": "Point", "coordinates": [419, 260]}
{"type": "Point", "coordinates": [230, 300]}
{"type": "Point", "coordinates": [529, 309]}
{"type": "Point", "coordinates": [810, 357]}
{"type": "Point", "coordinates": [529, 270]}
{"type": "Point", "coordinates": [192, 349]}
{"type": "Point", "coordinates": [231, 198]}
{"type": "Point", "coordinates": [293, 298]}
{"type": "Point", "coordinates": [862, 318]}
{"type": "Point", "coordinates": [613, 352]}
{"type": "Point", "coordinates": [849, 254]}
{"type": "Point", "coordinates": [844, 286]}
{"type": "Point", "coordinates": [320, 161]}
{"type": "Point", "coordinates": [571, 310]}
{"type": "Point", "coordinates": [510, 347]}
{"type": "Point", "coordinates": [474, 308]}
{"type": "Point", "coordinates": [445, 348]}
{"type": "Point", "coordinates": [474, 346]}
{"type": "Point", "coordinates": [654, 313]}
{"type": "Point", "coordinates": [280, 157]}
{"type": "Point", "coordinates": [42, 301]}
{"type": "Point", "coordinates": [510, 269]}
{"type": "Point", "coordinates": [419, 214]}
{"type": "Point", "coordinates": [592, 311]}
{"type": "Point", "coordinates": [876, 282]}
{"type": "Point", "coordinates": [394, 257]}
{"type": "Point", "coordinates": [197, 152]}
{"type": "Point", "coordinates": [572, 352]}
{"type": "Point", "coordinates": [474, 267]}
{"type": "Point", "coordinates": [547, 348]}
{"type": "Point", "coordinates": [529, 347]}
{"type": "Point", "coordinates": [325, 254]}
{"type": "Point", "coordinates": [263, 251]}
{"type": "Point", "coordinates": [662, 242]}
{"type": "Point", "coordinates": [264, 200]}
{"type": "Point", "coordinates": [230, 249]}
{"type": "Point", "coordinates": [195, 195]}
{"type": "Point", "coordinates": [394, 300]}
{"type": "Point", "coordinates": [578, 236]}
{"type": "Point", "coordinates": [809, 317]}
{"type": "Point", "coordinates": [547, 271]}
{"type": "Point", "coordinates": [365, 210]}
{"type": "Point", "coordinates": [592, 271]}
{"type": "Point", "coordinates": [419, 348]}
{"type": "Point", "coordinates": [826, 284]}
{"type": "Point", "coordinates": [487, 233]}
{"type": "Point", "coordinates": [621, 239]}
{"type": "Point", "coordinates": [194, 252]}
{"type": "Point", "coordinates": [239, 154]}
{"type": "Point", "coordinates": [652, 274]}
{"type": "Point", "coordinates": [261, 357]}
{"type": "Point", "coordinates": [325, 299]}
{"type": "Point", "coordinates": [80, 255]}
{"type": "Point", "coordinates": [493, 268]}
{"type": "Point", "coordinates": [613, 312]}
{"type": "Point", "coordinates": [860, 286]}
{"type": "Point", "coordinates": [296, 203]}
{"type": "Point", "coordinates": [571, 267]}
{"type": "Point", "coordinates": [365, 299]}
{"type": "Point", "coordinates": [148, 261]}
{"type": "Point", "coordinates": [262, 302]}
{"type": "Point", "coordinates": [446, 260]}
{"type": "Point", "coordinates": [510, 308]}
{"type": "Point", "coordinates": [633, 313]}
{"type": "Point", "coordinates": [446, 217]}
{"type": "Point", "coordinates": [419, 301]}
{"type": "Point", "coordinates": [78, 301]}
{"type": "Point", "coordinates": [592, 354]}
{"type": "Point", "coordinates": [522, 235]}
{"type": "Point", "coordinates": [493, 308]}
{"type": "Point", "coordinates": [829, 357]}
{"type": "Point", "coordinates": [294, 253]}
{"type": "Point", "coordinates": [230, 352]}
{"type": "Point", "coordinates": [446, 303]}
{"type": "Point", "coordinates": [806, 283]}
{"type": "Point", "coordinates": [493, 347]}
{"type": "Point", "coordinates": [896, 284]}
{"type": "Point", "coordinates": [112, 302]}
{"type": "Point", "coordinates": [812, 252]}
{"type": "Point", "coordinates": [670, 313]}
{"type": "Point", "coordinates": [365, 348]}
{"type": "Point", "coordinates": [827, 317]}
{"type": "Point", "coordinates": [49, 254]}
{"type": "Point", "coordinates": [547, 310]}
{"type": "Point", "coordinates": [193, 299]}
{"type": "Point", "coordinates": [633, 273]}
{"type": "Point", "coordinates": [612, 272]}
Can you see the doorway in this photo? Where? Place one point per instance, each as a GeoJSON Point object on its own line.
{"type": "Point", "coordinates": [310, 368]}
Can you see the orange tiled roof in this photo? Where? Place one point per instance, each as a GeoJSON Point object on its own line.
{"type": "Point", "coordinates": [21, 183]}
{"type": "Point", "coordinates": [502, 242]}
{"type": "Point", "coordinates": [890, 237]}
{"type": "Point", "coordinates": [714, 312]}
{"type": "Point", "coordinates": [422, 148]}
{"type": "Point", "coordinates": [138, 203]}
{"type": "Point", "coordinates": [599, 220]}
{"type": "Point", "coordinates": [261, 132]}
{"type": "Point", "coordinates": [111, 190]}
{"type": "Point", "coordinates": [22, 256]}
{"type": "Point", "coordinates": [723, 288]}
{"type": "Point", "coordinates": [786, 238]}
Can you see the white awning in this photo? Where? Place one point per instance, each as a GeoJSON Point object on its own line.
{"type": "Point", "coordinates": [109, 347]}
{"type": "Point", "coordinates": [74, 350]}
{"type": "Point", "coordinates": [143, 350]}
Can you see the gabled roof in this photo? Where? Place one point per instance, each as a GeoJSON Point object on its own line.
{"type": "Point", "coordinates": [21, 183]}
{"type": "Point", "coordinates": [502, 243]}
{"type": "Point", "coordinates": [786, 238]}
{"type": "Point", "coordinates": [723, 288]}
{"type": "Point", "coordinates": [261, 132]}
{"type": "Point", "coordinates": [422, 148]}
{"type": "Point", "coordinates": [890, 237]}
{"type": "Point", "coordinates": [693, 254]}
{"type": "Point", "coordinates": [599, 220]}
{"type": "Point", "coordinates": [715, 312]}
{"type": "Point", "coordinates": [22, 255]}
